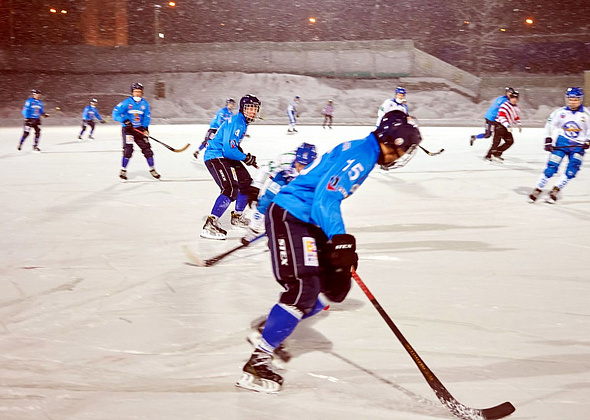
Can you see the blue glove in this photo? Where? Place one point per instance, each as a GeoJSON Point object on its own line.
{"type": "Point", "coordinates": [548, 145]}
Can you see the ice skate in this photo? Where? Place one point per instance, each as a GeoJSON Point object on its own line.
{"type": "Point", "coordinates": [497, 159]}
{"type": "Point", "coordinates": [238, 220]}
{"type": "Point", "coordinates": [472, 140]}
{"type": "Point", "coordinates": [534, 195]}
{"type": "Point", "coordinates": [196, 154]}
{"type": "Point", "coordinates": [552, 196]}
{"type": "Point", "coordinates": [80, 137]}
{"type": "Point", "coordinates": [154, 173]}
{"type": "Point", "coordinates": [36, 149]}
{"type": "Point", "coordinates": [90, 138]}
{"type": "Point", "coordinates": [250, 235]}
{"type": "Point", "coordinates": [19, 147]}
{"type": "Point", "coordinates": [212, 229]}
{"type": "Point", "coordinates": [123, 174]}
{"type": "Point", "coordinates": [258, 375]}
{"type": "Point", "coordinates": [281, 353]}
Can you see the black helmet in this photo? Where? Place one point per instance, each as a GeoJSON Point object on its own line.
{"type": "Point", "coordinates": [250, 101]}
{"type": "Point", "coordinates": [395, 131]}
{"type": "Point", "coordinates": [511, 92]}
{"type": "Point", "coordinates": [36, 92]}
{"type": "Point", "coordinates": [93, 101]}
{"type": "Point", "coordinates": [135, 86]}
{"type": "Point", "coordinates": [230, 101]}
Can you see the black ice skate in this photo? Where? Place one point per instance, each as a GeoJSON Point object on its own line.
{"type": "Point", "coordinates": [196, 154]}
{"type": "Point", "coordinates": [472, 140]}
{"type": "Point", "coordinates": [534, 195]}
{"type": "Point", "coordinates": [238, 220]}
{"type": "Point", "coordinates": [123, 174]}
{"type": "Point", "coordinates": [552, 195]}
{"type": "Point", "coordinates": [212, 229]}
{"type": "Point", "coordinates": [36, 149]}
{"type": "Point", "coordinates": [258, 375]}
{"type": "Point", "coordinates": [154, 173]}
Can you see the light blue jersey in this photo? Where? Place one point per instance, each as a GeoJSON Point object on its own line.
{"type": "Point", "coordinates": [221, 116]}
{"type": "Point", "coordinates": [315, 195]}
{"type": "Point", "coordinates": [137, 112]}
{"type": "Point", "coordinates": [90, 113]}
{"type": "Point", "coordinates": [492, 112]}
{"type": "Point", "coordinates": [226, 143]}
{"type": "Point", "coordinates": [33, 108]}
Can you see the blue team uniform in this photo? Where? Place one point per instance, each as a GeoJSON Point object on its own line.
{"type": "Point", "coordinates": [490, 117]}
{"type": "Point", "coordinates": [315, 195]}
{"type": "Point", "coordinates": [220, 117]}
{"type": "Point", "coordinates": [90, 113]}
{"type": "Point", "coordinates": [33, 110]}
{"type": "Point", "coordinates": [226, 142]}
{"type": "Point", "coordinates": [137, 112]}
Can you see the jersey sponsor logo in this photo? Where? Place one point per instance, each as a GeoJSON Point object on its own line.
{"type": "Point", "coordinates": [332, 184]}
{"type": "Point", "coordinates": [310, 252]}
{"type": "Point", "coordinates": [283, 256]}
{"type": "Point", "coordinates": [571, 129]}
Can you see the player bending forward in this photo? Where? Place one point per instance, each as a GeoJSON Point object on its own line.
{"type": "Point", "coordinates": [311, 252]}
{"type": "Point", "coordinates": [571, 126]}
{"type": "Point", "coordinates": [271, 179]}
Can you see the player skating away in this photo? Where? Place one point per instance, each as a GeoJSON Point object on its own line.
{"type": "Point", "coordinates": [270, 179]}
{"type": "Point", "coordinates": [293, 114]}
{"type": "Point", "coordinates": [135, 116]}
{"type": "Point", "coordinates": [508, 118]}
{"type": "Point", "coordinates": [220, 117]}
{"type": "Point", "coordinates": [398, 102]}
{"type": "Point", "coordinates": [570, 127]}
{"type": "Point", "coordinates": [223, 159]}
{"type": "Point", "coordinates": [311, 252]}
{"type": "Point", "coordinates": [89, 114]}
{"type": "Point", "coordinates": [33, 110]}
{"type": "Point", "coordinates": [491, 115]}
{"type": "Point", "coordinates": [328, 113]}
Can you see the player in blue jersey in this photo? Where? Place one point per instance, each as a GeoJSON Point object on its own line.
{"type": "Point", "coordinates": [89, 114]}
{"type": "Point", "coordinates": [225, 161]}
{"type": "Point", "coordinates": [134, 115]}
{"type": "Point", "coordinates": [33, 110]}
{"type": "Point", "coordinates": [270, 179]}
{"type": "Point", "coordinates": [492, 114]}
{"type": "Point", "coordinates": [311, 252]}
{"type": "Point", "coordinates": [293, 114]}
{"type": "Point", "coordinates": [220, 117]}
{"type": "Point", "coordinates": [570, 127]}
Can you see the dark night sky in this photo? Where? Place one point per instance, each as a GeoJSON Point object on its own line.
{"type": "Point", "coordinates": [436, 27]}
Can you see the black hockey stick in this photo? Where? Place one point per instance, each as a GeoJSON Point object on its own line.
{"type": "Point", "coordinates": [214, 260]}
{"type": "Point", "coordinates": [444, 396]}
{"type": "Point", "coordinates": [431, 153]}
{"type": "Point", "coordinates": [164, 144]}
{"type": "Point", "coordinates": [567, 147]}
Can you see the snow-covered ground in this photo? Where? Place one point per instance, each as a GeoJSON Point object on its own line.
{"type": "Point", "coordinates": [103, 318]}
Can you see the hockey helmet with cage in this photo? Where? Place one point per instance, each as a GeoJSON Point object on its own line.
{"type": "Point", "coordinates": [511, 92]}
{"type": "Point", "coordinates": [305, 154]}
{"type": "Point", "coordinates": [401, 90]}
{"type": "Point", "coordinates": [93, 101]}
{"type": "Point", "coordinates": [136, 86]}
{"type": "Point", "coordinates": [35, 91]}
{"type": "Point", "coordinates": [395, 131]}
{"type": "Point", "coordinates": [574, 93]}
{"type": "Point", "coordinates": [250, 102]}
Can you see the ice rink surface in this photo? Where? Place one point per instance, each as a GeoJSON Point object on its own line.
{"type": "Point", "coordinates": [103, 318]}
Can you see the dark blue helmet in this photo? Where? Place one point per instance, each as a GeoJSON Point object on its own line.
{"type": "Point", "coordinates": [395, 131]}
{"type": "Point", "coordinates": [401, 90]}
{"type": "Point", "coordinates": [305, 154]}
{"type": "Point", "coordinates": [574, 92]}
{"type": "Point", "coordinates": [250, 101]}
{"type": "Point", "coordinates": [135, 86]}
{"type": "Point", "coordinates": [511, 92]}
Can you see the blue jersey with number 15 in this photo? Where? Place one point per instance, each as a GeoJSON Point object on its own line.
{"type": "Point", "coordinates": [315, 195]}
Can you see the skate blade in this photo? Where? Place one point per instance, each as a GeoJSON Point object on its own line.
{"type": "Point", "coordinates": [249, 382]}
{"type": "Point", "coordinates": [209, 235]}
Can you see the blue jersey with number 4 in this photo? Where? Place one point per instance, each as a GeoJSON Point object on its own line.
{"type": "Point", "coordinates": [315, 195]}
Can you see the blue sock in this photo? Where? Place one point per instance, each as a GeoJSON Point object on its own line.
{"type": "Point", "coordinates": [280, 323]}
{"type": "Point", "coordinates": [124, 162]}
{"type": "Point", "coordinates": [150, 161]}
{"type": "Point", "coordinates": [241, 202]}
{"type": "Point", "coordinates": [221, 205]}
{"type": "Point", "coordinates": [480, 136]}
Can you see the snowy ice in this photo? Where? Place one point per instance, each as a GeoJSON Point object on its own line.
{"type": "Point", "coordinates": [102, 317]}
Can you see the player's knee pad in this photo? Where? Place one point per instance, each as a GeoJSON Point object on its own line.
{"type": "Point", "coordinates": [147, 152]}
{"type": "Point", "coordinates": [128, 151]}
{"type": "Point", "coordinates": [574, 166]}
{"type": "Point", "coordinates": [553, 165]}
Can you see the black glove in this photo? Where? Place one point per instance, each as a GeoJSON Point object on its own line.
{"type": "Point", "coordinates": [250, 160]}
{"type": "Point", "coordinates": [342, 252]}
{"type": "Point", "coordinates": [253, 195]}
{"type": "Point", "coordinates": [587, 145]}
{"type": "Point", "coordinates": [128, 124]}
{"type": "Point", "coordinates": [103, 122]}
{"type": "Point", "coordinates": [45, 115]}
{"type": "Point", "coordinates": [548, 145]}
{"type": "Point", "coordinates": [210, 134]}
